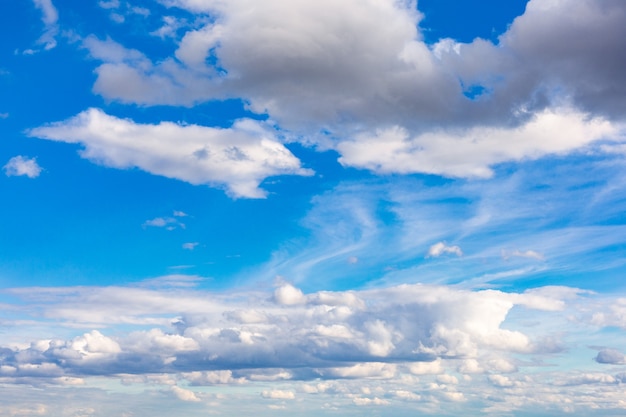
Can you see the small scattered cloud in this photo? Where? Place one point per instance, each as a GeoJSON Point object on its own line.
{"type": "Point", "coordinates": [352, 260]}
{"type": "Point", "coordinates": [190, 245]}
{"type": "Point", "coordinates": [168, 223]}
{"type": "Point", "coordinates": [610, 356]}
{"type": "Point", "coordinates": [109, 4]}
{"type": "Point", "coordinates": [184, 394]}
{"type": "Point", "coordinates": [4, 115]}
{"type": "Point", "coordinates": [22, 166]}
{"type": "Point", "coordinates": [530, 254]}
{"type": "Point", "coordinates": [440, 248]}
{"type": "Point", "coordinates": [278, 395]}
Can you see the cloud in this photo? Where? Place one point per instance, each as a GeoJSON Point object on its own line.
{"type": "Point", "coordinates": [190, 245]}
{"type": "Point", "coordinates": [469, 153]}
{"type": "Point", "coordinates": [184, 394]}
{"type": "Point", "coordinates": [391, 103]}
{"type": "Point", "coordinates": [278, 395]}
{"type": "Point", "coordinates": [177, 329]}
{"type": "Point", "coordinates": [530, 254]}
{"type": "Point", "coordinates": [449, 345]}
{"type": "Point", "coordinates": [22, 166]}
{"type": "Point", "coordinates": [441, 248]}
{"type": "Point", "coordinates": [50, 16]}
{"type": "Point", "coordinates": [237, 158]}
{"type": "Point", "coordinates": [170, 223]}
{"type": "Point", "coordinates": [610, 356]}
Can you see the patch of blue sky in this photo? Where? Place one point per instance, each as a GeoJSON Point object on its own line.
{"type": "Point", "coordinates": [464, 21]}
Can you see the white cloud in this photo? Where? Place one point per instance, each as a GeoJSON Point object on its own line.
{"type": "Point", "coordinates": [237, 158]}
{"type": "Point", "coordinates": [190, 245]}
{"type": "Point", "coordinates": [531, 254]}
{"type": "Point", "coordinates": [364, 401]}
{"type": "Point", "coordinates": [213, 378]}
{"type": "Point", "coordinates": [184, 394]}
{"type": "Point", "coordinates": [170, 223]}
{"type": "Point", "coordinates": [441, 248]}
{"type": "Point", "coordinates": [182, 338]}
{"type": "Point", "coordinates": [278, 395]}
{"type": "Point", "coordinates": [471, 152]}
{"type": "Point", "coordinates": [50, 16]}
{"type": "Point", "coordinates": [287, 294]}
{"type": "Point", "coordinates": [21, 165]}
{"type": "Point", "coordinates": [426, 368]}
{"type": "Point", "coordinates": [109, 4]}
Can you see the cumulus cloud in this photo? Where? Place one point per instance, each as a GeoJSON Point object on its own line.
{"type": "Point", "coordinates": [182, 338]}
{"type": "Point", "coordinates": [21, 165]}
{"type": "Point", "coordinates": [440, 248]}
{"type": "Point", "coordinates": [610, 356]}
{"type": "Point", "coordinates": [471, 152]}
{"type": "Point", "coordinates": [391, 103]}
{"type": "Point", "coordinates": [278, 395]}
{"type": "Point", "coordinates": [294, 335]}
{"type": "Point", "coordinates": [184, 394]}
{"type": "Point", "coordinates": [237, 158]}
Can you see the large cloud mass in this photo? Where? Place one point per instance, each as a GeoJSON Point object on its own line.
{"type": "Point", "coordinates": [357, 77]}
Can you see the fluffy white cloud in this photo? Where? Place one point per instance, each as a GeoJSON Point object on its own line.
{"type": "Point", "coordinates": [21, 165]}
{"type": "Point", "coordinates": [278, 395]}
{"type": "Point", "coordinates": [237, 158]}
{"type": "Point", "coordinates": [441, 248]}
{"type": "Point", "coordinates": [471, 152]}
{"type": "Point", "coordinates": [184, 394]}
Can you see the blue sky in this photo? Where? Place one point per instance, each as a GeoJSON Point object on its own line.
{"type": "Point", "coordinates": [365, 207]}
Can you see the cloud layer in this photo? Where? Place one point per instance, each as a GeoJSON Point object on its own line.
{"type": "Point", "coordinates": [437, 338]}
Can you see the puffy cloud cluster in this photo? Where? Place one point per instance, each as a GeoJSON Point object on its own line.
{"type": "Point", "coordinates": [364, 334]}
{"type": "Point", "coordinates": [393, 103]}
{"type": "Point", "coordinates": [357, 77]}
{"type": "Point", "coordinates": [431, 345]}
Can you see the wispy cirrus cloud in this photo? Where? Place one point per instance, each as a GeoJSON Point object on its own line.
{"type": "Point", "coordinates": [50, 17]}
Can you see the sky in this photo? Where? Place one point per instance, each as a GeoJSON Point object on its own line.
{"type": "Point", "coordinates": [313, 208]}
